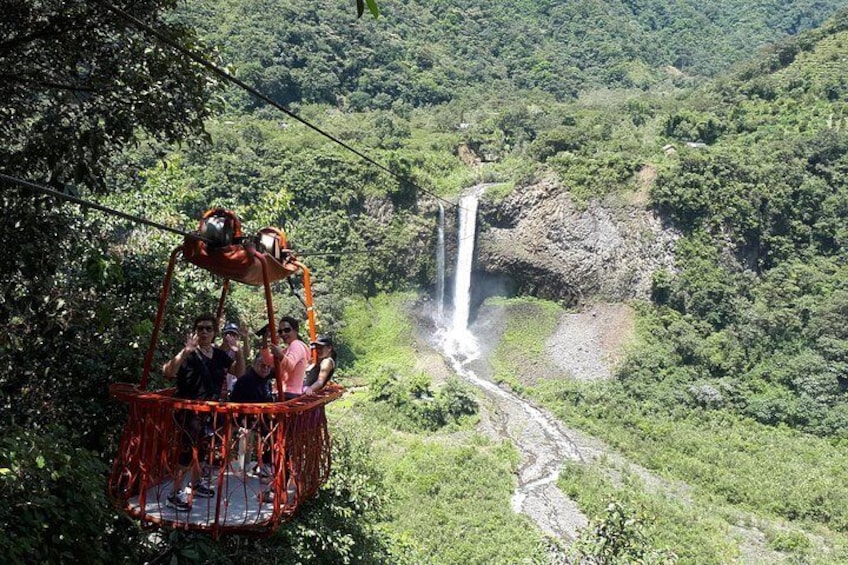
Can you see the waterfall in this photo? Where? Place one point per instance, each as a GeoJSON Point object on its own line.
{"type": "Point", "coordinates": [464, 258]}
{"type": "Point", "coordinates": [459, 343]}
{"type": "Point", "coordinates": [440, 267]}
{"type": "Point", "coordinates": [540, 439]}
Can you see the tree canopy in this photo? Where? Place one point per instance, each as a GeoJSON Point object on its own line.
{"type": "Point", "coordinates": [78, 83]}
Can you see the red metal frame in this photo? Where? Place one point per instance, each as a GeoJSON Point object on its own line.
{"type": "Point", "coordinates": [150, 444]}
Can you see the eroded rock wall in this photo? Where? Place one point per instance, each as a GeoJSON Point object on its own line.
{"type": "Point", "coordinates": [553, 248]}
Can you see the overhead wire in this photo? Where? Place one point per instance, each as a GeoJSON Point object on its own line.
{"type": "Point", "coordinates": [89, 204]}
{"type": "Point", "coordinates": [140, 220]}
{"type": "Point", "coordinates": [222, 73]}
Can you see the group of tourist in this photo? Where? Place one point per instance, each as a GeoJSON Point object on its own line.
{"type": "Point", "coordinates": [205, 371]}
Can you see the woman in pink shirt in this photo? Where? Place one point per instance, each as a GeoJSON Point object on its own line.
{"type": "Point", "coordinates": [294, 356]}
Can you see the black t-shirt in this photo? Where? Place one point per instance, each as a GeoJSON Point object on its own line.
{"type": "Point", "coordinates": [201, 377]}
{"type": "Point", "coordinates": [251, 387]}
{"type": "Point", "coordinates": [314, 370]}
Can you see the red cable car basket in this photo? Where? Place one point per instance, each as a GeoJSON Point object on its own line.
{"type": "Point", "coordinates": [252, 463]}
{"type": "Point", "coordinates": [260, 461]}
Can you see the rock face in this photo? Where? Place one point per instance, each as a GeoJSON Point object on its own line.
{"type": "Point", "coordinates": [552, 248]}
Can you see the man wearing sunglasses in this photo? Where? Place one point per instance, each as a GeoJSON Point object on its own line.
{"type": "Point", "coordinates": [200, 370]}
{"type": "Point", "coordinates": [200, 367]}
{"type": "Point", "coordinates": [293, 355]}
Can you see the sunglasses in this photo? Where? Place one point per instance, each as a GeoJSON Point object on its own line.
{"type": "Point", "coordinates": [282, 331]}
{"type": "Point", "coordinates": [204, 328]}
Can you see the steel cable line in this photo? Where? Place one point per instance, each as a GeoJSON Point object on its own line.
{"type": "Point", "coordinates": [215, 69]}
{"type": "Point", "coordinates": [88, 204]}
{"type": "Point", "coordinates": [139, 220]}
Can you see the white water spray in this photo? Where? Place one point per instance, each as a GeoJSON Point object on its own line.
{"type": "Point", "coordinates": [440, 267]}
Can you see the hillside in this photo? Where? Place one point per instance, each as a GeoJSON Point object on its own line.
{"type": "Point", "coordinates": [425, 53]}
{"type": "Point", "coordinates": [763, 208]}
{"type": "Point", "coordinates": [632, 152]}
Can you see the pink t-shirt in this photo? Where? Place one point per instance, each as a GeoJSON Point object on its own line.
{"type": "Point", "coordinates": [296, 358]}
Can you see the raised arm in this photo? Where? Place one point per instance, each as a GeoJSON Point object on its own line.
{"type": "Point", "coordinates": [171, 367]}
{"type": "Point", "coordinates": [239, 365]}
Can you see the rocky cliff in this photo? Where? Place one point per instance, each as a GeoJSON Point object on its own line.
{"type": "Point", "coordinates": [551, 247]}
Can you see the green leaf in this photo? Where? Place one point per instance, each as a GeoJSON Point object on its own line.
{"type": "Point", "coordinates": [372, 6]}
{"type": "Point", "coordinates": [39, 461]}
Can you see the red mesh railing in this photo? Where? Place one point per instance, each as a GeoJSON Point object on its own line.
{"type": "Point", "coordinates": [241, 467]}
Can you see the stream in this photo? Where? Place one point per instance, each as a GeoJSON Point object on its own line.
{"type": "Point", "coordinates": [543, 444]}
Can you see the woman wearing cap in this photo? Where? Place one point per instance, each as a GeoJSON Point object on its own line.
{"type": "Point", "coordinates": [231, 348]}
{"type": "Point", "coordinates": [318, 374]}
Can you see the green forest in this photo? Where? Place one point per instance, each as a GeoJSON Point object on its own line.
{"type": "Point", "coordinates": [734, 386]}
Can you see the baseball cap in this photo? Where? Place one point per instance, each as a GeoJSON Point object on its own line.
{"type": "Point", "coordinates": [231, 328]}
{"type": "Point", "coordinates": [323, 339]}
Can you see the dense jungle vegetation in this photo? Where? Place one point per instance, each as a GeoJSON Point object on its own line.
{"type": "Point", "coordinates": [735, 387]}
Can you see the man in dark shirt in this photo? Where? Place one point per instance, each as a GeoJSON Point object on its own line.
{"type": "Point", "coordinates": [254, 385]}
{"type": "Point", "coordinates": [200, 369]}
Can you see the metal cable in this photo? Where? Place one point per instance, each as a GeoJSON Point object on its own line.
{"type": "Point", "coordinates": [88, 204]}
{"type": "Point", "coordinates": [139, 220]}
{"type": "Point", "coordinates": [257, 94]}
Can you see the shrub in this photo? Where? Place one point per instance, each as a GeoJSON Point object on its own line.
{"type": "Point", "coordinates": [54, 503]}
{"type": "Point", "coordinates": [790, 542]}
{"type": "Point", "coordinates": [415, 405]}
{"type": "Point", "coordinates": [618, 537]}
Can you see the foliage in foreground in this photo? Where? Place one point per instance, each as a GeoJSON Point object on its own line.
{"type": "Point", "coordinates": [618, 537]}
{"type": "Point", "coordinates": [627, 515]}
{"type": "Point", "coordinates": [55, 511]}
{"type": "Point", "coordinates": [54, 503]}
